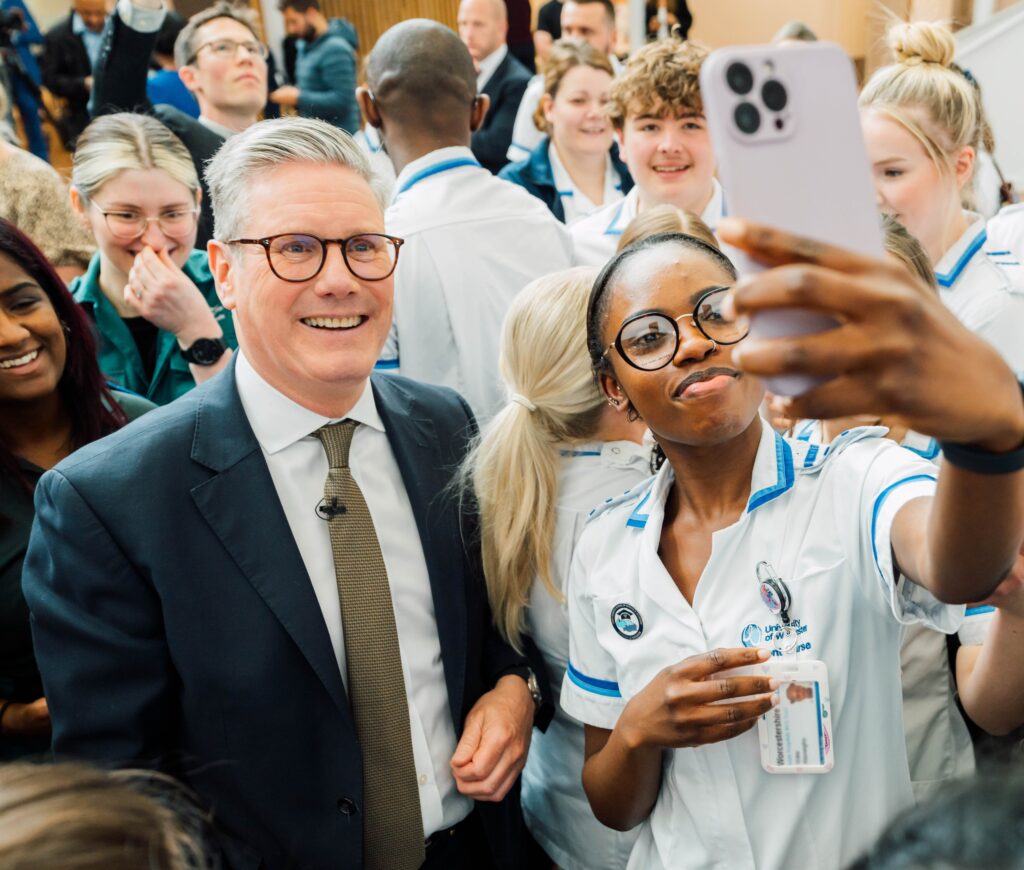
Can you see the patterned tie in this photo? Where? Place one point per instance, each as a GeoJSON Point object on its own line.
{"type": "Point", "coordinates": [392, 824]}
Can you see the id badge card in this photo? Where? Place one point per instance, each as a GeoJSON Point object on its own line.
{"type": "Point", "coordinates": [796, 734]}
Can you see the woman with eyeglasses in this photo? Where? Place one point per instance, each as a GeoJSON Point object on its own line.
{"type": "Point", "coordinates": [151, 296]}
{"type": "Point", "coordinates": [747, 547]}
{"type": "Point", "coordinates": [53, 400]}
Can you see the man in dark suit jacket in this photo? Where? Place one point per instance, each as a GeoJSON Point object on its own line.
{"type": "Point", "coordinates": [483, 26]}
{"type": "Point", "coordinates": [70, 49]}
{"type": "Point", "coordinates": [191, 608]}
{"type": "Point", "coordinates": [219, 58]}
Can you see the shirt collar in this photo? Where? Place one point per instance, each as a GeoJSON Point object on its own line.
{"type": "Point", "coordinates": [219, 129]}
{"type": "Point", "coordinates": [432, 164]}
{"type": "Point", "coordinates": [956, 259]}
{"type": "Point", "coordinates": [488, 66]}
{"type": "Point", "coordinates": [279, 422]}
{"type": "Point", "coordinates": [624, 213]}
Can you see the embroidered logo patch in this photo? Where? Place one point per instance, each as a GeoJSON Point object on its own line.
{"type": "Point", "coordinates": [627, 622]}
{"type": "Point", "coordinates": [751, 635]}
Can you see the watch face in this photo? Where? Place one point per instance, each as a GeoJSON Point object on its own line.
{"type": "Point", "coordinates": [206, 351]}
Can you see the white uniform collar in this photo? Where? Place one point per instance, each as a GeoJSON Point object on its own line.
{"type": "Point", "coordinates": [575, 203]}
{"type": "Point", "coordinates": [278, 422]}
{"type": "Point", "coordinates": [488, 66]}
{"type": "Point", "coordinates": [629, 207]}
{"type": "Point", "coordinates": [956, 259]}
{"type": "Point", "coordinates": [441, 160]}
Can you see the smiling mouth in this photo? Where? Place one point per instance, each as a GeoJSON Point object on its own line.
{"type": "Point", "coordinates": [667, 170]}
{"type": "Point", "coordinates": [23, 360]}
{"type": "Point", "coordinates": [334, 322]}
{"type": "Point", "coordinates": [704, 376]}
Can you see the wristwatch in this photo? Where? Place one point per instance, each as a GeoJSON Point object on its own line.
{"type": "Point", "coordinates": [204, 351]}
{"type": "Point", "coordinates": [534, 688]}
{"type": "Point", "coordinates": [982, 461]}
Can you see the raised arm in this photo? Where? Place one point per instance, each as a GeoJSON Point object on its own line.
{"type": "Point", "coordinates": [898, 352]}
{"type": "Point", "coordinates": [119, 76]}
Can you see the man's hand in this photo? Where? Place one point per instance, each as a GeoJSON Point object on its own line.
{"type": "Point", "coordinates": [495, 740]}
{"type": "Point", "coordinates": [27, 719]}
{"type": "Point", "coordinates": [897, 352]}
{"type": "Point", "coordinates": [288, 95]}
{"type": "Point", "coordinates": [162, 293]}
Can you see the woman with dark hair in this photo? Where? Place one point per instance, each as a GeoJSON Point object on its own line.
{"type": "Point", "coordinates": [53, 400]}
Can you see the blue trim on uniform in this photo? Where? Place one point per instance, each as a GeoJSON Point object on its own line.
{"type": "Point", "coordinates": [117, 388]}
{"type": "Point", "coordinates": [949, 279]}
{"type": "Point", "coordinates": [929, 452]}
{"type": "Point", "coordinates": [608, 688]}
{"type": "Point", "coordinates": [812, 454]}
{"type": "Point", "coordinates": [978, 611]}
{"type": "Point", "coordinates": [383, 365]}
{"type": "Point", "coordinates": [611, 231]}
{"type": "Point", "coordinates": [882, 496]}
{"type": "Point", "coordinates": [579, 452]}
{"type": "Point", "coordinates": [784, 469]}
{"type": "Point", "coordinates": [636, 519]}
{"type": "Point", "coordinates": [436, 169]}
{"type": "Point", "coordinates": [999, 253]}
{"type": "Point", "coordinates": [807, 431]}
{"type": "Point", "coordinates": [564, 193]}
{"type": "Point", "coordinates": [821, 741]}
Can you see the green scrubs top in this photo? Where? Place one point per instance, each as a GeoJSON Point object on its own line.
{"type": "Point", "coordinates": [119, 356]}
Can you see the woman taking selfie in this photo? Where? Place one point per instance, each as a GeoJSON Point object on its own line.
{"type": "Point", "coordinates": [555, 451]}
{"type": "Point", "coordinates": [152, 297]}
{"type": "Point", "coordinates": [53, 400]}
{"type": "Point", "coordinates": [923, 125]}
{"type": "Point", "coordinates": [576, 168]}
{"type": "Point", "coordinates": [747, 547]}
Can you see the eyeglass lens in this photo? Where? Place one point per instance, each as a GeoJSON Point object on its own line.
{"type": "Point", "coordinates": [300, 257]}
{"type": "Point", "coordinates": [128, 224]}
{"type": "Point", "coordinates": [650, 342]}
{"type": "Point", "coordinates": [229, 48]}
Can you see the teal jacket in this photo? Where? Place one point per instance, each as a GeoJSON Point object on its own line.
{"type": "Point", "coordinates": [118, 355]}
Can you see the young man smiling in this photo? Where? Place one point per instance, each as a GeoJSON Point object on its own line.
{"type": "Point", "coordinates": [656, 108]}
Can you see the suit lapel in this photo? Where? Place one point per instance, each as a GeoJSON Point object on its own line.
{"type": "Point", "coordinates": [414, 443]}
{"type": "Point", "coordinates": [241, 506]}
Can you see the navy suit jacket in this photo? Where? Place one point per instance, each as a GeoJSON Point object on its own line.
{"type": "Point", "coordinates": [505, 87]}
{"type": "Point", "coordinates": [176, 627]}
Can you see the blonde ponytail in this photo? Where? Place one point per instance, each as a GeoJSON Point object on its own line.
{"type": "Point", "coordinates": [514, 466]}
{"type": "Point", "coordinates": [925, 93]}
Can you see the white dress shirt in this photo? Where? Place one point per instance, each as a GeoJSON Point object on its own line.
{"type": "Point", "coordinates": [488, 65]}
{"type": "Point", "coordinates": [472, 242]}
{"type": "Point", "coordinates": [298, 467]}
{"type": "Point", "coordinates": [823, 519]}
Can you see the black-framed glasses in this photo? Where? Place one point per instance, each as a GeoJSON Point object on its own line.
{"type": "Point", "coordinates": [298, 257]}
{"type": "Point", "coordinates": [227, 49]}
{"type": "Point", "coordinates": [650, 341]}
{"type": "Point", "coordinates": [128, 224]}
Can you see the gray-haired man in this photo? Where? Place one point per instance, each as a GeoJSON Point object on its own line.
{"type": "Point", "coordinates": [270, 598]}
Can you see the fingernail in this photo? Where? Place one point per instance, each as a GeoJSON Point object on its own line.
{"type": "Point", "coordinates": [775, 700]}
{"type": "Point", "coordinates": [763, 654]}
{"type": "Point", "coordinates": [773, 684]}
{"type": "Point", "coordinates": [730, 227]}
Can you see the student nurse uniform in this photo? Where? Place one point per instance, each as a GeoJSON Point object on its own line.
{"type": "Point", "coordinates": [822, 518]}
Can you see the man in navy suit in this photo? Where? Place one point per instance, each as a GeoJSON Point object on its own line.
{"type": "Point", "coordinates": [483, 27]}
{"type": "Point", "coordinates": [191, 578]}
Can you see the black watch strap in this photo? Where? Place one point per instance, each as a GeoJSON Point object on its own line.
{"type": "Point", "coordinates": [982, 461]}
{"type": "Point", "coordinates": [204, 351]}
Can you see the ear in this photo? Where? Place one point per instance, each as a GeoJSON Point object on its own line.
{"type": "Point", "coordinates": [80, 207]}
{"type": "Point", "coordinates": [187, 74]}
{"type": "Point", "coordinates": [223, 270]}
{"type": "Point", "coordinates": [369, 107]}
{"type": "Point", "coordinates": [613, 392]}
{"type": "Point", "coordinates": [963, 166]}
{"type": "Point", "coordinates": [481, 104]}
{"type": "Point", "coordinates": [546, 104]}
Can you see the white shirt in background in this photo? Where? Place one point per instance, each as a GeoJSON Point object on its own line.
{"type": "Point", "coordinates": [1005, 245]}
{"type": "Point", "coordinates": [575, 203]}
{"type": "Point", "coordinates": [595, 237]}
{"type": "Point", "coordinates": [823, 520]}
{"type": "Point", "coordinates": [554, 804]}
{"type": "Point", "coordinates": [472, 242]}
{"type": "Point", "coordinates": [298, 467]}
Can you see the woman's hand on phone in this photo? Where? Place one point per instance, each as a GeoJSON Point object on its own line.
{"type": "Point", "coordinates": [898, 351]}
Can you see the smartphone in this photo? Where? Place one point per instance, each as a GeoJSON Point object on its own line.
{"type": "Point", "coordinates": [786, 134]}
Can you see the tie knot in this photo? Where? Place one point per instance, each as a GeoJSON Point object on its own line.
{"type": "Point", "coordinates": [337, 439]}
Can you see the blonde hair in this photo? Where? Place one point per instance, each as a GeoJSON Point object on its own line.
{"type": "Point", "coordinates": [514, 467]}
{"type": "Point", "coordinates": [662, 77]}
{"type": "Point", "coordinates": [925, 93]}
{"type": "Point", "coordinates": [74, 817]}
{"type": "Point", "coordinates": [907, 249]}
{"type": "Point", "coordinates": [566, 55]}
{"type": "Point", "coordinates": [665, 219]}
{"type": "Point", "coordinates": [113, 143]}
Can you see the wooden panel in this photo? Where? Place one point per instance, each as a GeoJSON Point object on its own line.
{"type": "Point", "coordinates": [373, 18]}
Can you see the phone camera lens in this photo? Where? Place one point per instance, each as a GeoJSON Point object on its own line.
{"type": "Point", "coordinates": [747, 118]}
{"type": "Point", "coordinates": [774, 95]}
{"type": "Point", "coordinates": [739, 78]}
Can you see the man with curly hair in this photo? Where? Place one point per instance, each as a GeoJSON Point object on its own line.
{"type": "Point", "coordinates": [657, 111]}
